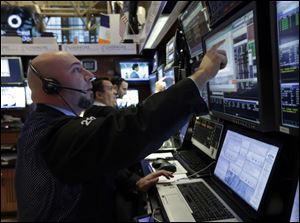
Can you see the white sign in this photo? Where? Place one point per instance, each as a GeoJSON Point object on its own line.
{"type": "Point", "coordinates": [27, 49]}
{"type": "Point", "coordinates": [100, 49]}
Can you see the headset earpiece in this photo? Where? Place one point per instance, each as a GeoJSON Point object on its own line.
{"type": "Point", "coordinates": [50, 86]}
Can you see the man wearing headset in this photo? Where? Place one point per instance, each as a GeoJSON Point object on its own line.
{"type": "Point", "coordinates": [65, 162]}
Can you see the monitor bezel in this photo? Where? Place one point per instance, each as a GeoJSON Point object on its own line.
{"type": "Point", "coordinates": [263, 50]}
{"type": "Point", "coordinates": [276, 81]}
{"type": "Point", "coordinates": [22, 78]}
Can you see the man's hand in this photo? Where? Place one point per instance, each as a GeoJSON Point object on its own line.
{"type": "Point", "coordinates": [145, 183]}
{"type": "Point", "coordinates": [160, 85]}
{"type": "Point", "coordinates": [212, 62]}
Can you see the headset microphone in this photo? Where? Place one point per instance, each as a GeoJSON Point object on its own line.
{"type": "Point", "coordinates": [51, 85]}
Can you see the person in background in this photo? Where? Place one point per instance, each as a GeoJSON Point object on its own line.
{"type": "Point", "coordinates": [120, 85]}
{"type": "Point", "coordinates": [65, 162]}
{"type": "Point", "coordinates": [134, 73]}
{"type": "Point", "coordinates": [129, 184]}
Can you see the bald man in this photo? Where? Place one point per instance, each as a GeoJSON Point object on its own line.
{"type": "Point", "coordinates": [65, 163]}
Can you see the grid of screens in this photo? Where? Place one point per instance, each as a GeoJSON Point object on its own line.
{"type": "Point", "coordinates": [288, 59]}
{"type": "Point", "coordinates": [234, 90]}
{"type": "Point", "coordinates": [11, 70]}
{"type": "Point", "coordinates": [12, 97]}
{"type": "Point", "coordinates": [245, 165]}
{"type": "Point", "coordinates": [134, 70]}
{"type": "Point", "coordinates": [130, 98]}
{"type": "Point", "coordinates": [194, 23]}
{"type": "Point", "coordinates": [169, 77]}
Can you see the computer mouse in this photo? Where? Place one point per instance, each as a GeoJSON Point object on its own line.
{"type": "Point", "coordinates": [162, 164]}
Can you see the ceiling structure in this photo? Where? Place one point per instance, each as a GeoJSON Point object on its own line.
{"type": "Point", "coordinates": [64, 8]}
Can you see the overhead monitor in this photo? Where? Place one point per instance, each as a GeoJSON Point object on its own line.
{"type": "Point", "coordinates": [13, 97]}
{"type": "Point", "coordinates": [245, 165]}
{"type": "Point", "coordinates": [236, 93]}
{"type": "Point", "coordinates": [194, 23]}
{"type": "Point", "coordinates": [130, 98]}
{"type": "Point", "coordinates": [11, 71]}
{"type": "Point", "coordinates": [134, 70]}
{"type": "Point", "coordinates": [287, 20]}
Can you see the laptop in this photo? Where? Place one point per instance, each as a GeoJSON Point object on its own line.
{"type": "Point", "coordinates": [235, 190]}
{"type": "Point", "coordinates": [205, 139]}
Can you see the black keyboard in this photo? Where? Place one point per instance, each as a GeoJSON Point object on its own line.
{"type": "Point", "coordinates": [191, 159]}
{"type": "Point", "coordinates": [204, 204]}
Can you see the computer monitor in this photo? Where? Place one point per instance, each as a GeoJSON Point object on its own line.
{"type": "Point", "coordinates": [130, 98]}
{"type": "Point", "coordinates": [11, 71]}
{"type": "Point", "coordinates": [155, 61]}
{"type": "Point", "coordinates": [12, 97]}
{"type": "Point", "coordinates": [241, 92]}
{"type": "Point", "coordinates": [295, 208]}
{"type": "Point", "coordinates": [160, 71]}
{"type": "Point", "coordinates": [169, 77]}
{"type": "Point", "coordinates": [207, 135]}
{"type": "Point", "coordinates": [194, 24]}
{"type": "Point", "coordinates": [287, 64]}
{"type": "Point", "coordinates": [152, 81]}
{"type": "Point", "coordinates": [245, 164]}
{"type": "Point", "coordinates": [134, 70]}
{"type": "Point", "coordinates": [170, 51]}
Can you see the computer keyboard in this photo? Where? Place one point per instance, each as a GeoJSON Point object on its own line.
{"type": "Point", "coordinates": [191, 159]}
{"type": "Point", "coordinates": [204, 204]}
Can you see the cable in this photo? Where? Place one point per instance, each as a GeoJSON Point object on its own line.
{"type": "Point", "coordinates": [69, 106]}
{"type": "Point", "coordinates": [153, 215]}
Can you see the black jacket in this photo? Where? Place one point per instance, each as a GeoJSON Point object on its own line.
{"type": "Point", "coordinates": [64, 163]}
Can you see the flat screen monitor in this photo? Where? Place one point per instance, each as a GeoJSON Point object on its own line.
{"type": "Point", "coordinates": [295, 208]}
{"type": "Point", "coordinates": [207, 135]}
{"type": "Point", "coordinates": [155, 61]}
{"type": "Point", "coordinates": [152, 81]}
{"type": "Point", "coordinates": [194, 24]}
{"type": "Point", "coordinates": [170, 51]}
{"type": "Point", "coordinates": [134, 70]}
{"type": "Point", "coordinates": [169, 77]}
{"type": "Point", "coordinates": [11, 70]}
{"type": "Point", "coordinates": [12, 97]}
{"type": "Point", "coordinates": [238, 92]}
{"type": "Point", "coordinates": [160, 71]}
{"type": "Point", "coordinates": [288, 62]}
{"type": "Point", "coordinates": [90, 64]}
{"type": "Point", "coordinates": [245, 165]}
{"type": "Point", "coordinates": [130, 98]}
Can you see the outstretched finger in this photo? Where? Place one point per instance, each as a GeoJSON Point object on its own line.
{"type": "Point", "coordinates": [217, 45]}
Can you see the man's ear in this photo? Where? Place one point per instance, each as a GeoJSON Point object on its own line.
{"type": "Point", "coordinates": [99, 95]}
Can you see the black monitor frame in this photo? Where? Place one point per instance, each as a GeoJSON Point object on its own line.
{"type": "Point", "coordinates": [276, 81]}
{"type": "Point", "coordinates": [16, 80]}
{"type": "Point", "coordinates": [264, 67]}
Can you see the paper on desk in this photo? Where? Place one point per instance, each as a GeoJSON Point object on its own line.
{"type": "Point", "coordinates": [163, 180]}
{"type": "Point", "coordinates": [154, 156]}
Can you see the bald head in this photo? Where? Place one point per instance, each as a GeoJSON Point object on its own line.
{"type": "Point", "coordinates": [65, 69]}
